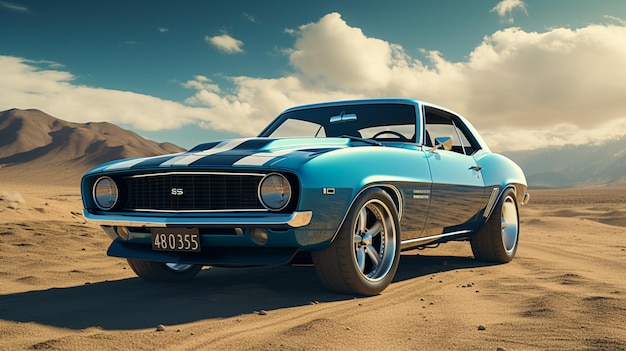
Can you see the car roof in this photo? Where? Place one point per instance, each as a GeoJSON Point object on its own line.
{"type": "Point", "coordinates": [406, 101]}
{"type": "Point", "coordinates": [356, 102]}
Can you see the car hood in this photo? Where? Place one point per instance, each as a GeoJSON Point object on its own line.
{"type": "Point", "coordinates": [237, 153]}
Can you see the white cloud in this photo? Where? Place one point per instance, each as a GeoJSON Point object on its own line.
{"type": "Point", "coordinates": [505, 8]}
{"type": "Point", "coordinates": [225, 43]}
{"type": "Point", "coordinates": [332, 53]}
{"type": "Point", "coordinates": [200, 83]}
{"type": "Point", "coordinates": [163, 30]}
{"type": "Point", "coordinates": [13, 7]}
{"type": "Point", "coordinates": [24, 85]}
{"type": "Point", "coordinates": [249, 17]}
{"type": "Point", "coordinates": [543, 79]}
{"type": "Point", "coordinates": [617, 20]}
{"type": "Point", "coordinates": [523, 90]}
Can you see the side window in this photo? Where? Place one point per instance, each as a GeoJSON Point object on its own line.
{"type": "Point", "coordinates": [443, 124]}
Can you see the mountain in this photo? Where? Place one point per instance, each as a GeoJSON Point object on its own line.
{"type": "Point", "coordinates": [575, 166]}
{"type": "Point", "coordinates": [36, 147]}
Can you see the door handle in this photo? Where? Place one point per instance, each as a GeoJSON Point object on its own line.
{"type": "Point", "coordinates": [476, 168]}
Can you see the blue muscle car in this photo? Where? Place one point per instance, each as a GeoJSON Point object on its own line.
{"type": "Point", "coordinates": [346, 185]}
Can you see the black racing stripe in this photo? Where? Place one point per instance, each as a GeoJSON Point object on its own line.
{"type": "Point", "coordinates": [252, 144]}
{"type": "Point", "coordinates": [204, 146]}
{"type": "Point", "coordinates": [217, 160]}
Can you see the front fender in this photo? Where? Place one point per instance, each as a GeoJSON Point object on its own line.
{"type": "Point", "coordinates": [330, 183]}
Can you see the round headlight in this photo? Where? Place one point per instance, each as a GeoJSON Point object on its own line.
{"type": "Point", "coordinates": [105, 193]}
{"type": "Point", "coordinates": [275, 191]}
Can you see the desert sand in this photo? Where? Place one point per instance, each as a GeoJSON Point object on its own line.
{"type": "Point", "coordinates": [565, 290]}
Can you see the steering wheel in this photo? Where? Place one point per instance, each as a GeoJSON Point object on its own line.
{"type": "Point", "coordinates": [392, 132]}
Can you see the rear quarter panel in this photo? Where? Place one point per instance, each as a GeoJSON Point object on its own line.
{"type": "Point", "coordinates": [500, 172]}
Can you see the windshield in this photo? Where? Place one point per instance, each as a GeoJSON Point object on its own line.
{"type": "Point", "coordinates": [386, 122]}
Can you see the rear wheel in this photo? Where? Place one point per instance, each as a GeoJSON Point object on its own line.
{"type": "Point", "coordinates": [364, 256]}
{"type": "Point", "coordinates": [497, 240]}
{"type": "Point", "coordinates": [161, 271]}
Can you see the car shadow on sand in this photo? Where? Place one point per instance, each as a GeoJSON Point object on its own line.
{"type": "Point", "coordinates": [215, 293]}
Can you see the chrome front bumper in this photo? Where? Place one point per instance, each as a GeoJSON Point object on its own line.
{"type": "Point", "coordinates": [293, 220]}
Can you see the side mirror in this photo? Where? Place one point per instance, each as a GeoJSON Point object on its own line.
{"type": "Point", "coordinates": [442, 143]}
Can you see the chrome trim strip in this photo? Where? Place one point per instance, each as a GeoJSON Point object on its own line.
{"type": "Point", "coordinates": [433, 237]}
{"type": "Point", "coordinates": [491, 203]}
{"type": "Point", "coordinates": [186, 173]}
{"type": "Point", "coordinates": [147, 210]}
{"type": "Point", "coordinates": [294, 220]}
{"type": "Point", "coordinates": [400, 200]}
{"type": "Point", "coordinates": [422, 194]}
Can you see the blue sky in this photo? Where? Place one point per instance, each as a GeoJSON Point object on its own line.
{"type": "Point", "coordinates": [528, 73]}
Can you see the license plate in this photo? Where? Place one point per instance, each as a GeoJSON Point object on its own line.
{"type": "Point", "coordinates": [176, 239]}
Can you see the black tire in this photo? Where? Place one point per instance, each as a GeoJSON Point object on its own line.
{"type": "Point", "coordinates": [498, 239]}
{"type": "Point", "coordinates": [160, 271]}
{"type": "Point", "coordinates": [364, 257]}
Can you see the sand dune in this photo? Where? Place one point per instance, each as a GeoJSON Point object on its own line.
{"type": "Point", "coordinates": [565, 290]}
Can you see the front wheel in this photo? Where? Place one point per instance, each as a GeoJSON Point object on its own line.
{"type": "Point", "coordinates": [365, 254]}
{"type": "Point", "coordinates": [497, 240]}
{"type": "Point", "coordinates": [171, 272]}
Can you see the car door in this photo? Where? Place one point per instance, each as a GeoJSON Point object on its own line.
{"type": "Point", "coordinates": [458, 189]}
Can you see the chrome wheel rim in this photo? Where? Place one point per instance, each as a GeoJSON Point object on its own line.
{"type": "Point", "coordinates": [178, 267]}
{"type": "Point", "coordinates": [510, 224]}
{"type": "Point", "coordinates": [374, 240]}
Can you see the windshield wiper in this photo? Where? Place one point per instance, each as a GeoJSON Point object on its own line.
{"type": "Point", "coordinates": [365, 140]}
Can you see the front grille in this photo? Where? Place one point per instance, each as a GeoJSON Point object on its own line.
{"type": "Point", "coordinates": [193, 192]}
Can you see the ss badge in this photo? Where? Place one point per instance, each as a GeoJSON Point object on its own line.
{"type": "Point", "coordinates": [176, 191]}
